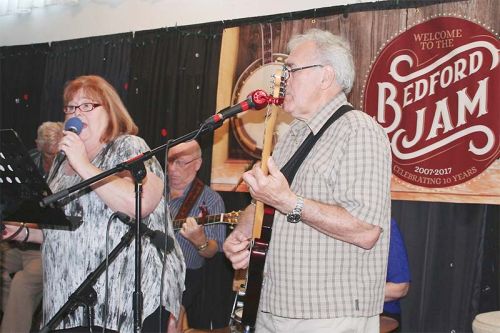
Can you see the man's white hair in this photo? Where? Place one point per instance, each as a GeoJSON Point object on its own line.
{"type": "Point", "coordinates": [333, 50]}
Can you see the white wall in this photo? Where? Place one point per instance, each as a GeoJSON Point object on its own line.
{"type": "Point", "coordinates": [103, 17]}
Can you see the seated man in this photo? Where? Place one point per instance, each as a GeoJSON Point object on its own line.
{"type": "Point", "coordinates": [21, 262]}
{"type": "Point", "coordinates": [398, 276]}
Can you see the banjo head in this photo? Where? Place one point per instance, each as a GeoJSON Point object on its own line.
{"type": "Point", "coordinates": [248, 127]}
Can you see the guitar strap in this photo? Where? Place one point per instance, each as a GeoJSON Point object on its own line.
{"type": "Point", "coordinates": [293, 164]}
{"type": "Point", "coordinates": [193, 195]}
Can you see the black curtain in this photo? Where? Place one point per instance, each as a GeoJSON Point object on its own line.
{"type": "Point", "coordinates": [173, 88]}
{"type": "Point", "coordinates": [173, 84]}
{"type": "Point", "coordinates": [107, 56]}
{"type": "Point", "coordinates": [445, 243]}
{"type": "Point", "coordinates": [490, 276]}
{"type": "Point", "coordinates": [22, 70]}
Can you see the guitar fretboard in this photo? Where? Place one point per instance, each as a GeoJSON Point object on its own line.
{"type": "Point", "coordinates": [227, 218]}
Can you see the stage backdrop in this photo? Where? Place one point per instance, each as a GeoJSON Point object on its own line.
{"type": "Point", "coordinates": [428, 75]}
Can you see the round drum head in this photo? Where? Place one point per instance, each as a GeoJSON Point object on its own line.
{"type": "Point", "coordinates": [248, 127]}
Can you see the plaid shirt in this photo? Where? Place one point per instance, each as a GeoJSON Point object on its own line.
{"type": "Point", "coordinates": [309, 274]}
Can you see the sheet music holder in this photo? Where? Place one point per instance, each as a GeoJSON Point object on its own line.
{"type": "Point", "coordinates": [22, 187]}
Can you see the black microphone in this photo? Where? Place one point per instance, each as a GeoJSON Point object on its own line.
{"type": "Point", "coordinates": [257, 100]}
{"type": "Point", "coordinates": [161, 241]}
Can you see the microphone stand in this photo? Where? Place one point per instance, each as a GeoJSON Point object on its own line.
{"type": "Point", "coordinates": [85, 294]}
{"type": "Point", "coordinates": [136, 167]}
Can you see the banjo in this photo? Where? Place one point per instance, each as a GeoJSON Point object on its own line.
{"type": "Point", "coordinates": [248, 127]}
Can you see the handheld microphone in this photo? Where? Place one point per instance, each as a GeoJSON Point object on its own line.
{"type": "Point", "coordinates": [74, 125]}
{"type": "Point", "coordinates": [257, 100]}
{"type": "Point", "coordinates": [159, 239]}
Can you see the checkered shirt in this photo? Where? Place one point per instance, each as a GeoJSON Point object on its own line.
{"type": "Point", "coordinates": [309, 274]}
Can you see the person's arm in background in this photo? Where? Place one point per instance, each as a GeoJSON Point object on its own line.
{"type": "Point", "coordinates": [398, 272]}
{"type": "Point", "coordinates": [394, 291]}
{"type": "Point", "coordinates": [29, 233]}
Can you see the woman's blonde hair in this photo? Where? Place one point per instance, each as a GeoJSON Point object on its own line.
{"type": "Point", "coordinates": [100, 91]}
{"type": "Point", "coordinates": [48, 134]}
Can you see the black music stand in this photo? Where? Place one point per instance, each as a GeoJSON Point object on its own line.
{"type": "Point", "coordinates": [22, 187]}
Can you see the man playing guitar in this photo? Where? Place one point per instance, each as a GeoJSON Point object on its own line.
{"type": "Point", "coordinates": [326, 264]}
{"type": "Point", "coordinates": [190, 198]}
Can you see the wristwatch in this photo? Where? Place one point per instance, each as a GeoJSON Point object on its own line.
{"type": "Point", "coordinates": [296, 215]}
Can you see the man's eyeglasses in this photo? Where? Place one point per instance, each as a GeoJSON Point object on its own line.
{"type": "Point", "coordinates": [85, 107]}
{"type": "Point", "coordinates": [180, 163]}
{"type": "Point", "coordinates": [287, 70]}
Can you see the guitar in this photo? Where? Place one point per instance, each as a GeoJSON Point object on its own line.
{"type": "Point", "coordinates": [263, 221]}
{"type": "Point", "coordinates": [226, 218]}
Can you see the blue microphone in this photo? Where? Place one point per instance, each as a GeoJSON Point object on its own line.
{"type": "Point", "coordinates": [74, 125]}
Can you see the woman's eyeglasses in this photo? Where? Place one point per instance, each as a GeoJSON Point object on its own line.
{"type": "Point", "coordinates": [85, 107]}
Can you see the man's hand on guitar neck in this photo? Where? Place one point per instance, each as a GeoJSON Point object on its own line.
{"type": "Point", "coordinates": [195, 233]}
{"type": "Point", "coordinates": [271, 189]}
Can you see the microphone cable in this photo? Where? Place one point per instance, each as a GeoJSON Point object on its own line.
{"type": "Point", "coordinates": [106, 277]}
{"type": "Point", "coordinates": [166, 221]}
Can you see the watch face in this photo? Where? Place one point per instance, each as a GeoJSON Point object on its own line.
{"type": "Point", "coordinates": [293, 218]}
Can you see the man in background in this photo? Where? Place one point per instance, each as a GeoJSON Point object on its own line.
{"type": "Point", "coordinates": [190, 199]}
{"type": "Point", "coordinates": [21, 262]}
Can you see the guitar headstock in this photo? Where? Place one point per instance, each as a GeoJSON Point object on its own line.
{"type": "Point", "coordinates": [232, 217]}
{"type": "Point", "coordinates": [278, 87]}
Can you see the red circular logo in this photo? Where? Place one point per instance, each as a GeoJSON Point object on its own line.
{"type": "Point", "coordinates": [434, 89]}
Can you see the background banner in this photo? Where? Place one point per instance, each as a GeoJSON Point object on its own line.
{"type": "Point", "coordinates": [428, 75]}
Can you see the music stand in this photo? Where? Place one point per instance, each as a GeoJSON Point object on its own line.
{"type": "Point", "coordinates": [22, 187]}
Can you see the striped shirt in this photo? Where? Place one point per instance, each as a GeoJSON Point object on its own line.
{"type": "Point", "coordinates": [309, 274]}
{"type": "Point", "coordinates": [213, 202]}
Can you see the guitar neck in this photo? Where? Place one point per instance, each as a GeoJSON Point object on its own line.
{"type": "Point", "coordinates": [227, 218]}
{"type": "Point", "coordinates": [266, 153]}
